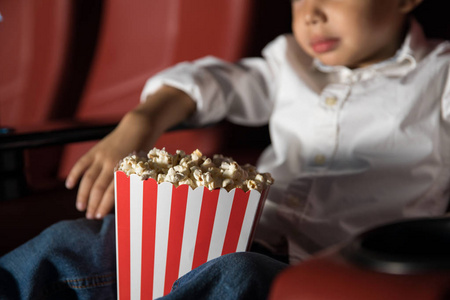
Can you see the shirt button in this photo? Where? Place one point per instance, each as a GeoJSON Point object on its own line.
{"type": "Point", "coordinates": [331, 101]}
{"type": "Point", "coordinates": [320, 159]}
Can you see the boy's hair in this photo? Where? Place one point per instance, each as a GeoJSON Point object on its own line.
{"type": "Point", "coordinates": [434, 19]}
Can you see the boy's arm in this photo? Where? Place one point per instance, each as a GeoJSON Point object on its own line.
{"type": "Point", "coordinates": [138, 130]}
{"type": "Point", "coordinates": [241, 92]}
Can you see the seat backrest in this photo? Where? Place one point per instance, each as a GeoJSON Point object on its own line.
{"type": "Point", "coordinates": [139, 38]}
{"type": "Point", "coordinates": [34, 37]}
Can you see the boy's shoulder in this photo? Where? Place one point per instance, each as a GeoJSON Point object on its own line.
{"type": "Point", "coordinates": [439, 50]}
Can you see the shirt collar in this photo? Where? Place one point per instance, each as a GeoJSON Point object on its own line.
{"type": "Point", "coordinates": [404, 60]}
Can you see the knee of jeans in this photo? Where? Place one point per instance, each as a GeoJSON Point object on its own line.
{"type": "Point", "coordinates": [248, 262]}
{"type": "Point", "coordinates": [81, 236]}
{"type": "Point", "coordinates": [247, 272]}
{"type": "Point", "coordinates": [63, 233]}
{"type": "Point", "coordinates": [56, 231]}
{"type": "Point", "coordinates": [74, 229]}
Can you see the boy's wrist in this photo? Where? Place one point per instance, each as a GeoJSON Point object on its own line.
{"type": "Point", "coordinates": [166, 108]}
{"type": "Point", "coordinates": [161, 111]}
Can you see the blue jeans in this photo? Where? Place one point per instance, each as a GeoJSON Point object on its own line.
{"type": "Point", "coordinates": [76, 260]}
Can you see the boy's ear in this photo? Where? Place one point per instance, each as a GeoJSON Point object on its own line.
{"type": "Point", "coordinates": [406, 6]}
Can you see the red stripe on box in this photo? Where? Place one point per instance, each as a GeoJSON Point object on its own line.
{"type": "Point", "coordinates": [123, 234]}
{"type": "Point", "coordinates": [148, 233]}
{"type": "Point", "coordinates": [235, 221]}
{"type": "Point", "coordinates": [205, 226]}
{"type": "Point", "coordinates": [176, 229]}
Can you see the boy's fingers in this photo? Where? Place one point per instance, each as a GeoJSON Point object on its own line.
{"type": "Point", "coordinates": [97, 192]}
{"type": "Point", "coordinates": [75, 173]}
{"type": "Point", "coordinates": [107, 202]}
{"type": "Point", "coordinates": [88, 180]}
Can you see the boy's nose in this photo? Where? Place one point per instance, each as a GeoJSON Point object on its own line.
{"type": "Point", "coordinates": [311, 19]}
{"type": "Point", "coordinates": [312, 12]}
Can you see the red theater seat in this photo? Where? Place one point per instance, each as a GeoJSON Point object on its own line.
{"type": "Point", "coordinates": [139, 38]}
{"type": "Point", "coordinates": [35, 37]}
{"type": "Point", "coordinates": [402, 260]}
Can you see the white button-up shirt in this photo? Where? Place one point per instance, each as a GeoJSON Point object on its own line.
{"type": "Point", "coordinates": [350, 149]}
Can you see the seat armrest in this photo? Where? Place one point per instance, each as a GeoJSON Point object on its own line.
{"type": "Point", "coordinates": [60, 133]}
{"type": "Point", "coordinates": [244, 144]}
{"type": "Point", "coordinates": [53, 134]}
{"type": "Point", "coordinates": [16, 142]}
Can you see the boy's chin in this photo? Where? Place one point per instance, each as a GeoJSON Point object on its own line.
{"type": "Point", "coordinates": [332, 61]}
{"type": "Point", "coordinates": [335, 61]}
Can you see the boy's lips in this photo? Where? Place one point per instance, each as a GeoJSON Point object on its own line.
{"type": "Point", "coordinates": [321, 45]}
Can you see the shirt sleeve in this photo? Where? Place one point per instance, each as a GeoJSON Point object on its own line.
{"type": "Point", "coordinates": [446, 97]}
{"type": "Point", "coordinates": [241, 92]}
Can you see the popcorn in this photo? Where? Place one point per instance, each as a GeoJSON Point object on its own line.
{"type": "Point", "coordinates": [195, 170]}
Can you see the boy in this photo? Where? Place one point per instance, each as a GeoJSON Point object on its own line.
{"type": "Point", "coordinates": [358, 106]}
{"type": "Point", "coordinates": [342, 70]}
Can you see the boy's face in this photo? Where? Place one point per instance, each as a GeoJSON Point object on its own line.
{"type": "Point", "coordinates": [352, 33]}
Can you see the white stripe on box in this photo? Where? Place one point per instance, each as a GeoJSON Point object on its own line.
{"type": "Point", "coordinates": [136, 195]}
{"type": "Point", "coordinates": [161, 237]}
{"type": "Point", "coordinates": [117, 235]}
{"type": "Point", "coordinates": [219, 231]}
{"type": "Point", "coordinates": [249, 219]}
{"type": "Point", "coordinates": [191, 221]}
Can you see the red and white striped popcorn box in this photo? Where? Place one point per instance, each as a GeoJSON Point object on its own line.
{"type": "Point", "coordinates": [163, 231]}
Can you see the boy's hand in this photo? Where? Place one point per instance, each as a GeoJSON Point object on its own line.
{"type": "Point", "coordinates": [96, 168]}
{"type": "Point", "coordinates": [96, 191]}
{"type": "Point", "coordinates": [137, 131]}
